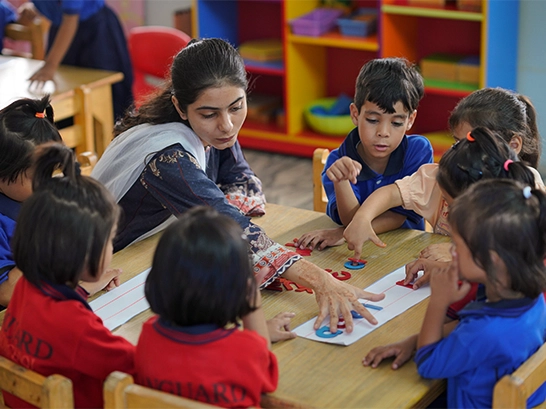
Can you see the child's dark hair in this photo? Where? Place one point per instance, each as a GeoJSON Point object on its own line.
{"type": "Point", "coordinates": [201, 65]}
{"type": "Point", "coordinates": [64, 227]}
{"type": "Point", "coordinates": [24, 124]}
{"type": "Point", "coordinates": [201, 272]}
{"type": "Point", "coordinates": [505, 217]}
{"type": "Point", "coordinates": [385, 81]}
{"type": "Point", "coordinates": [481, 155]}
{"type": "Point", "coordinates": [504, 112]}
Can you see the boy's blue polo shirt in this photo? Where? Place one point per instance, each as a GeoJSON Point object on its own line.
{"type": "Point", "coordinates": [413, 151]}
{"type": "Point", "coordinates": [9, 210]}
{"type": "Point", "coordinates": [492, 340]}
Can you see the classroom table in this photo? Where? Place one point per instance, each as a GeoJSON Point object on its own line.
{"type": "Point", "coordinates": [82, 93]}
{"type": "Point", "coordinates": [315, 374]}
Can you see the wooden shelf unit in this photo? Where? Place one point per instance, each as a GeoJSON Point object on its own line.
{"type": "Point", "coordinates": [317, 67]}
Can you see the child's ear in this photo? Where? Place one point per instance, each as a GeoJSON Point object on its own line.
{"type": "Point", "coordinates": [516, 143]}
{"type": "Point", "coordinates": [411, 118]}
{"type": "Point", "coordinates": [354, 113]}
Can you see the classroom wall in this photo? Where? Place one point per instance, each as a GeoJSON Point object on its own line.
{"type": "Point", "coordinates": [161, 12]}
{"type": "Point", "coordinates": [531, 79]}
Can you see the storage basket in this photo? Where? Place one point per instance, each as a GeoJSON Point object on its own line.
{"type": "Point", "coordinates": [316, 23]}
{"type": "Point", "coordinates": [362, 23]}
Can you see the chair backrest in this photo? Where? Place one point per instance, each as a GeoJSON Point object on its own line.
{"type": "Point", "coordinates": [319, 196]}
{"type": "Point", "coordinates": [33, 33]}
{"type": "Point", "coordinates": [54, 391]}
{"type": "Point", "coordinates": [87, 161]}
{"type": "Point", "coordinates": [512, 391]}
{"type": "Point", "coordinates": [120, 392]}
{"type": "Point", "coordinates": [152, 49]}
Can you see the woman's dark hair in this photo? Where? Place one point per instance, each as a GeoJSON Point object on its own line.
{"type": "Point", "coordinates": [483, 155]}
{"type": "Point", "coordinates": [385, 81]}
{"type": "Point", "coordinates": [496, 216]}
{"type": "Point", "coordinates": [201, 65]}
{"type": "Point", "coordinates": [201, 272]}
{"type": "Point", "coordinates": [506, 113]}
{"type": "Point", "coordinates": [21, 130]}
{"type": "Point", "coordinates": [64, 227]}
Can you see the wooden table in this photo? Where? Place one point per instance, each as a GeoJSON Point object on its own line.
{"type": "Point", "coordinates": [314, 374]}
{"type": "Point", "coordinates": [82, 93]}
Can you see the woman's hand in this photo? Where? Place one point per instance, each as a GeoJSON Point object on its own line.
{"type": "Point", "coordinates": [437, 252]}
{"type": "Point", "coordinates": [279, 327]}
{"type": "Point", "coordinates": [320, 239]}
{"type": "Point", "coordinates": [424, 265]}
{"type": "Point", "coordinates": [334, 298]}
{"type": "Point", "coordinates": [401, 351]}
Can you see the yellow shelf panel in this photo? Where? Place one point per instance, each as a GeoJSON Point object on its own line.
{"type": "Point", "coordinates": [432, 12]}
{"type": "Point", "coordinates": [339, 41]}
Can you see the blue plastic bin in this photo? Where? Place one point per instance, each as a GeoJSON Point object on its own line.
{"type": "Point", "coordinates": [362, 23]}
{"type": "Point", "coordinates": [316, 23]}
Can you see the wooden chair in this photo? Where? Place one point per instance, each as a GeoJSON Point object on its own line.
{"type": "Point", "coordinates": [512, 391]}
{"type": "Point", "coordinates": [34, 33]}
{"type": "Point", "coordinates": [120, 392]}
{"type": "Point", "coordinates": [54, 391]}
{"type": "Point", "coordinates": [319, 195]}
{"type": "Point", "coordinates": [87, 161]}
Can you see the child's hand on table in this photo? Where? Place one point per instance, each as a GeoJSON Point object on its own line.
{"type": "Point", "coordinates": [402, 352]}
{"type": "Point", "coordinates": [344, 168]}
{"type": "Point", "coordinates": [279, 327]}
{"type": "Point", "coordinates": [424, 265]}
{"type": "Point", "coordinates": [437, 252]}
{"type": "Point", "coordinates": [359, 232]}
{"type": "Point", "coordinates": [108, 281]}
{"type": "Point", "coordinates": [320, 239]}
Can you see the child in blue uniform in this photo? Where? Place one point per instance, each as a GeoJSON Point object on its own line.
{"type": "Point", "coordinates": [202, 285]}
{"type": "Point", "coordinates": [377, 152]}
{"type": "Point", "coordinates": [498, 231]}
{"type": "Point", "coordinates": [7, 15]}
{"type": "Point", "coordinates": [64, 235]}
{"type": "Point", "coordinates": [84, 33]}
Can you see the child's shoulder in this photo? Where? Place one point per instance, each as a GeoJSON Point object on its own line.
{"type": "Point", "coordinates": [419, 142]}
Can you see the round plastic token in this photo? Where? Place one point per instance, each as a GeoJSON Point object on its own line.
{"type": "Point", "coordinates": [354, 266]}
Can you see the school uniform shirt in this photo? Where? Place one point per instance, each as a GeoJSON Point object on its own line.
{"type": "Point", "coordinates": [7, 15]}
{"type": "Point", "coordinates": [490, 341]}
{"type": "Point", "coordinates": [52, 330]}
{"type": "Point", "coordinates": [223, 367]}
{"type": "Point", "coordinates": [173, 182]}
{"type": "Point", "coordinates": [9, 210]}
{"type": "Point", "coordinates": [413, 151]}
{"type": "Point", "coordinates": [99, 42]}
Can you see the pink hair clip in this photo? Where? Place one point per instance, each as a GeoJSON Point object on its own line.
{"type": "Point", "coordinates": [508, 162]}
{"type": "Point", "coordinates": [470, 137]}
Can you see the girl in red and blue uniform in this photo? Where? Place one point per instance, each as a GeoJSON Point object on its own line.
{"type": "Point", "coordinates": [209, 340]}
{"type": "Point", "coordinates": [63, 235]}
{"type": "Point", "coordinates": [498, 232]}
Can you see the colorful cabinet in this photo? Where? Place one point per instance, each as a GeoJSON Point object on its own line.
{"type": "Point", "coordinates": [316, 67]}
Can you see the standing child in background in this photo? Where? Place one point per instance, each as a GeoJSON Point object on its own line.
{"type": "Point", "coordinates": [498, 230]}
{"type": "Point", "coordinates": [200, 285]}
{"type": "Point", "coordinates": [84, 33]}
{"type": "Point", "coordinates": [64, 234]}
{"type": "Point", "coordinates": [24, 124]}
{"type": "Point", "coordinates": [377, 152]}
{"type": "Point", "coordinates": [7, 15]}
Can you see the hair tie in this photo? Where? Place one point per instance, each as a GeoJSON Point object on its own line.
{"type": "Point", "coordinates": [527, 192]}
{"type": "Point", "coordinates": [508, 162]}
{"type": "Point", "coordinates": [39, 115]}
{"type": "Point", "coordinates": [470, 138]}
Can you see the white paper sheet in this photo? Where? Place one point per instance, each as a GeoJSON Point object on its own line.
{"type": "Point", "coordinates": [119, 305]}
{"type": "Point", "coordinates": [397, 300]}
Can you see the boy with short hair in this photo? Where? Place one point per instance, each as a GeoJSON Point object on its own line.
{"type": "Point", "coordinates": [377, 152]}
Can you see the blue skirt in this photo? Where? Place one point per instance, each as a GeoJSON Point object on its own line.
{"type": "Point", "coordinates": [100, 43]}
